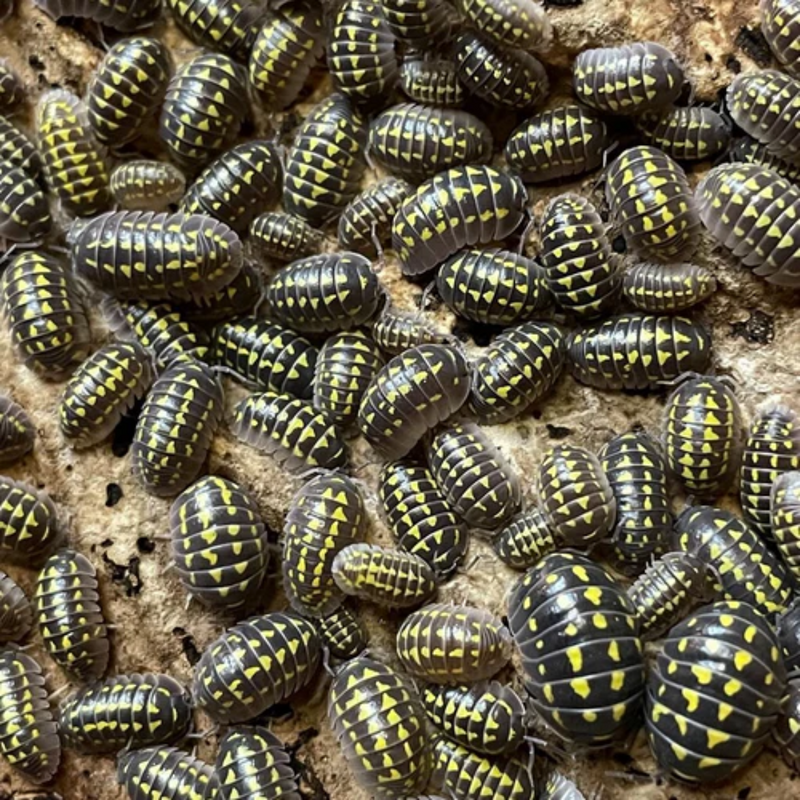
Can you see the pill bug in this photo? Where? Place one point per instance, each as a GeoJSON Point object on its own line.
{"type": "Point", "coordinates": [161, 329]}
{"type": "Point", "coordinates": [361, 55]}
{"type": "Point", "coordinates": [490, 203]}
{"type": "Point", "coordinates": [414, 392]}
{"type": "Point", "coordinates": [28, 734]}
{"type": "Point", "coordinates": [492, 287]}
{"type": "Point", "coordinates": [45, 315]}
{"type": "Point", "coordinates": [127, 88]}
{"type": "Point", "coordinates": [714, 694]}
{"type": "Point", "coordinates": [702, 435]}
{"type": "Point", "coordinates": [418, 22]}
{"type": "Point", "coordinates": [667, 590]}
{"type": "Point", "coordinates": [559, 787]}
{"type": "Point", "coordinates": [742, 565]}
{"type": "Point", "coordinates": [517, 370]}
{"type": "Point", "coordinates": [488, 717]}
{"type": "Point", "coordinates": [453, 644]}
{"type": "Point", "coordinates": [141, 255]}
{"type": "Point", "coordinates": [238, 297]}
{"type": "Point", "coordinates": [422, 520]}
{"type": "Point", "coordinates": [580, 269]}
{"type": "Point", "coordinates": [464, 774]}
{"type": "Point", "coordinates": [651, 201]}
{"type": "Point", "coordinates": [636, 469]}
{"type": "Point", "coordinates": [343, 634]}
{"type": "Point", "coordinates": [17, 149]}
{"type": "Point", "coordinates": [772, 448]}
{"type": "Point", "coordinates": [431, 80]}
{"type": "Point", "coordinates": [70, 617]}
{"type": "Point", "coordinates": [686, 134]}
{"type": "Point", "coordinates": [576, 495]}
{"type": "Point", "coordinates": [165, 773]}
{"type": "Point", "coordinates": [325, 516]}
{"type": "Point", "coordinates": [16, 614]}
{"type": "Point", "coordinates": [379, 723]}
{"type": "Point", "coordinates": [415, 141]}
{"type": "Point", "coordinates": [12, 92]}
{"type": "Point", "coordinates": [787, 729]}
{"type": "Point", "coordinates": [629, 79]}
{"type": "Point", "coordinates": [779, 24]}
{"type": "Point", "coordinates": [174, 431]}
{"type": "Point", "coordinates": [254, 665]}
{"type": "Point", "coordinates": [474, 476]}
{"type": "Point", "coordinates": [124, 17]}
{"type": "Point", "coordinates": [204, 107]}
{"type": "Point", "coordinates": [326, 292]}
{"type": "Point", "coordinates": [29, 523]}
{"type": "Point", "coordinates": [577, 634]}
{"type": "Point", "coordinates": [74, 162]}
{"type": "Point", "coordinates": [17, 434]}
{"type": "Point", "coordinates": [395, 332]}
{"type": "Point", "coordinates": [737, 206]}
{"type": "Point", "coordinates": [558, 143]}
{"type": "Point", "coordinates": [785, 517]}
{"type": "Point", "coordinates": [638, 351]}
{"type": "Point", "coordinates": [762, 104]}
{"type": "Point", "coordinates": [521, 23]}
{"type": "Point", "coordinates": [102, 390]}
{"type": "Point", "coordinates": [219, 543]}
{"type": "Point", "coordinates": [24, 211]}
{"type": "Point", "coordinates": [347, 363]}
{"type": "Point", "coordinates": [143, 185]}
{"type": "Point", "coordinates": [237, 185]}
{"type": "Point", "coordinates": [788, 629]}
{"type": "Point", "coordinates": [525, 540]}
{"type": "Point", "coordinates": [503, 77]}
{"type": "Point", "coordinates": [283, 237]}
{"type": "Point", "coordinates": [667, 288]}
{"type": "Point", "coordinates": [266, 355]}
{"type": "Point", "coordinates": [290, 430]}
{"type": "Point", "coordinates": [365, 225]}
{"type": "Point", "coordinates": [126, 711]}
{"type": "Point", "coordinates": [748, 151]}
{"type": "Point", "coordinates": [229, 26]}
{"type": "Point", "coordinates": [253, 763]}
{"type": "Point", "coordinates": [288, 45]}
{"type": "Point", "coordinates": [326, 162]}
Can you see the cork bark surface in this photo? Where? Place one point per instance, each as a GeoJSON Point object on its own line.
{"type": "Point", "coordinates": [756, 332]}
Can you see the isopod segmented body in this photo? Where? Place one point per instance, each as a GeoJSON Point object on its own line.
{"type": "Point", "coordinates": [686, 134]}
{"type": "Point", "coordinates": [124, 17]}
{"type": "Point", "coordinates": [578, 635]}
{"type": "Point", "coordinates": [668, 288]}
{"type": "Point", "coordinates": [16, 613]}
{"type": "Point", "coordinates": [643, 76]}
{"type": "Point", "coordinates": [102, 390]}
{"type": "Point", "coordinates": [787, 730]}
{"type": "Point", "coordinates": [70, 617]}
{"type": "Point", "coordinates": [290, 430]}
{"type": "Point", "coordinates": [165, 773]}
{"type": "Point", "coordinates": [412, 394]}
{"type": "Point", "coordinates": [237, 185]}
{"type": "Point", "coordinates": [141, 255]}
{"type": "Point", "coordinates": [17, 149]}
{"type": "Point", "coordinates": [325, 516]}
{"type": "Point", "coordinates": [24, 211]}
{"type": "Point", "coordinates": [638, 351]}
{"type": "Point", "coordinates": [377, 718]}
{"type": "Point", "coordinates": [327, 292]}
{"type": "Point", "coordinates": [651, 201]}
{"type": "Point", "coordinates": [749, 151]}
{"type": "Point", "coordinates": [525, 540]}
{"type": "Point", "coordinates": [266, 355]}
{"type": "Point", "coordinates": [343, 634]}
{"type": "Point", "coordinates": [488, 204]}
{"type": "Point", "coordinates": [283, 237]}
{"type": "Point", "coordinates": [780, 23]}
{"type": "Point", "coordinates": [520, 23]}
{"type": "Point", "coordinates": [702, 435]}
{"type": "Point", "coordinates": [580, 270]}
{"type": "Point", "coordinates": [174, 431]}
{"type": "Point", "coordinates": [395, 332]}
{"type": "Point", "coordinates": [432, 81]}
{"type": "Point", "coordinates": [255, 664]}
{"type": "Point", "coordinates": [561, 142]}
{"type": "Point", "coordinates": [28, 732]}
{"type": "Point", "coordinates": [517, 369]}
{"type": "Point", "coordinates": [219, 543]}
{"type": "Point", "coordinates": [130, 711]}
{"type": "Point", "coordinates": [45, 314]}
{"type": "Point", "coordinates": [17, 433]}
{"type": "Point", "coordinates": [418, 22]}
{"type": "Point", "coordinates": [738, 206]}
{"type": "Point", "coordinates": [786, 519]}
{"type": "Point", "coordinates": [127, 88]}
{"type": "Point", "coordinates": [204, 107]}
{"type": "Point", "coordinates": [143, 185]}
{"type": "Point", "coordinates": [559, 787]}
{"type": "Point", "coordinates": [453, 644]}
{"type": "Point", "coordinates": [29, 523]}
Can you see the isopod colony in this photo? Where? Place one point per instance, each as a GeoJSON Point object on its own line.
{"type": "Point", "coordinates": [214, 247]}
